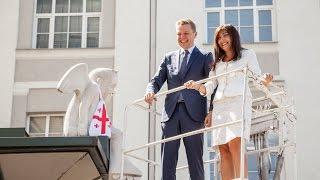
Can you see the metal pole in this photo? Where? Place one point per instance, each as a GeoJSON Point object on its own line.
{"type": "Point", "coordinates": [152, 70]}
{"type": "Point", "coordinates": [123, 140]}
{"type": "Point", "coordinates": [182, 136]}
{"type": "Point", "coordinates": [143, 159]}
{"type": "Point", "coordinates": [182, 87]}
{"type": "Point", "coordinates": [275, 148]}
{"type": "Point", "coordinates": [242, 152]}
{"type": "Point", "coordinates": [204, 162]}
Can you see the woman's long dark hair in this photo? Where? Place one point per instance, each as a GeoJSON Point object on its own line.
{"type": "Point", "coordinates": [235, 44]}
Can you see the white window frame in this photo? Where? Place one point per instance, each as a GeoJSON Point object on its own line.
{"type": "Point", "coordinates": [221, 10]}
{"type": "Point", "coordinates": [46, 132]}
{"type": "Point", "coordinates": [52, 16]}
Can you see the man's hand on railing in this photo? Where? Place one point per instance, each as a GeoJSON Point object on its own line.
{"type": "Point", "coordinates": [208, 119]}
{"type": "Point", "coordinates": [267, 79]}
{"type": "Point", "coordinates": [149, 97]}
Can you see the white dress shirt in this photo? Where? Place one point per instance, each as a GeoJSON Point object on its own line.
{"type": "Point", "coordinates": [232, 84]}
{"type": "Point", "coordinates": [181, 54]}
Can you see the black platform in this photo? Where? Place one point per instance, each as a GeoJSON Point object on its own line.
{"type": "Point", "coordinates": [54, 158]}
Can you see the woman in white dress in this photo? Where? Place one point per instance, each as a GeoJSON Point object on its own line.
{"type": "Point", "coordinates": [228, 99]}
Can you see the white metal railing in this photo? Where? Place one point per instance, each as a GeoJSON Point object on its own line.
{"type": "Point", "coordinates": [245, 70]}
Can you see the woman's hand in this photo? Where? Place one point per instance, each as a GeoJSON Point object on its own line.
{"type": "Point", "coordinates": [208, 119]}
{"type": "Point", "coordinates": [267, 79]}
{"type": "Point", "coordinates": [192, 85]}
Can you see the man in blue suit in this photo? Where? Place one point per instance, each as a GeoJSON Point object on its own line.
{"type": "Point", "coordinates": [184, 110]}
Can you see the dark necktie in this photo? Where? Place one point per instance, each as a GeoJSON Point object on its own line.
{"type": "Point", "coordinates": [183, 67]}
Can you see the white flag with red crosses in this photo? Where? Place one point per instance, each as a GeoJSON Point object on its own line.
{"type": "Point", "coordinates": [100, 124]}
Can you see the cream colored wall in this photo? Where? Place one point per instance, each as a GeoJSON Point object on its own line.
{"type": "Point", "coordinates": [298, 27]}
{"type": "Point", "coordinates": [9, 13]}
{"type": "Point", "coordinates": [132, 62]}
{"type": "Point", "coordinates": [26, 11]}
{"type": "Point", "coordinates": [51, 64]}
{"type": "Point", "coordinates": [108, 23]}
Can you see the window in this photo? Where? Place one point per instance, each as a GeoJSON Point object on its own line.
{"type": "Point", "coordinates": [67, 24]}
{"type": "Point", "coordinates": [45, 125]}
{"type": "Point", "coordinates": [254, 19]}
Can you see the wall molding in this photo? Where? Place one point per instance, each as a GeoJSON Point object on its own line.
{"type": "Point", "coordinates": [22, 88]}
{"type": "Point", "coordinates": [63, 54]}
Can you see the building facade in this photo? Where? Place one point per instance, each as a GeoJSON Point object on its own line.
{"type": "Point", "coordinates": [41, 39]}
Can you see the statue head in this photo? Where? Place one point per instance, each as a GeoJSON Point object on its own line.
{"type": "Point", "coordinates": [106, 79]}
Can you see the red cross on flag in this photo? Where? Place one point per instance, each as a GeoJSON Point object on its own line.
{"type": "Point", "coordinates": [100, 124]}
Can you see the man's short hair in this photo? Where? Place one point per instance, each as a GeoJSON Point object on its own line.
{"type": "Point", "coordinates": [187, 21]}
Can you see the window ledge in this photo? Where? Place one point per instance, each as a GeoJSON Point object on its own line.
{"type": "Point", "coordinates": [74, 53]}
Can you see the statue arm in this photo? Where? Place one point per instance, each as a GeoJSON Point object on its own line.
{"type": "Point", "coordinates": [87, 107]}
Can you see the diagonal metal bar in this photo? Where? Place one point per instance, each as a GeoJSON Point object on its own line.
{"type": "Point", "coordinates": [182, 136]}
{"type": "Point", "coordinates": [143, 159]}
{"type": "Point", "coordinates": [182, 87]}
{"type": "Point", "coordinates": [65, 172]}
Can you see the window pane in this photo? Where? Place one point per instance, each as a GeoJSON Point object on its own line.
{"type": "Point", "coordinates": [265, 33]}
{"type": "Point", "coordinates": [93, 24]}
{"type": "Point", "coordinates": [42, 40]}
{"type": "Point", "coordinates": [43, 25]}
{"type": "Point", "coordinates": [56, 124]}
{"type": "Point", "coordinates": [37, 124]}
{"type": "Point", "coordinates": [213, 19]}
{"type": "Point", "coordinates": [265, 17]}
{"type": "Point", "coordinates": [209, 137]}
{"type": "Point", "coordinates": [92, 40]}
{"type": "Point", "coordinates": [211, 35]}
{"type": "Point", "coordinates": [44, 6]}
{"type": "Point", "coordinates": [60, 40]}
{"type": "Point", "coordinates": [229, 3]}
{"type": "Point", "coordinates": [61, 24]}
{"type": "Point", "coordinates": [273, 139]}
{"type": "Point", "coordinates": [74, 40]}
{"type": "Point", "coordinates": [274, 158]}
{"type": "Point", "coordinates": [93, 5]}
{"type": "Point", "coordinates": [246, 17]}
{"type": "Point", "coordinates": [253, 162]}
{"type": "Point", "coordinates": [264, 2]}
{"type": "Point", "coordinates": [231, 17]}
{"type": "Point", "coordinates": [62, 6]}
{"type": "Point", "coordinates": [253, 175]}
{"type": "Point", "coordinates": [246, 3]}
{"type": "Point", "coordinates": [75, 24]}
{"type": "Point", "coordinates": [211, 165]}
{"type": "Point", "coordinates": [76, 6]}
{"type": "Point", "coordinates": [213, 3]}
{"type": "Point", "coordinates": [246, 34]}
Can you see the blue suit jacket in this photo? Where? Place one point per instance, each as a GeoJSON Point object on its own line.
{"type": "Point", "coordinates": [198, 68]}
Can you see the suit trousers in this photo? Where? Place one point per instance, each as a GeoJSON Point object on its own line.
{"type": "Point", "coordinates": [180, 122]}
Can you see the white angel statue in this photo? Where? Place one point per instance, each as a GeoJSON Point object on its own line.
{"type": "Point", "coordinates": [83, 104]}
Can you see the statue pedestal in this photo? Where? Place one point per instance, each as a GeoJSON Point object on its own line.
{"type": "Point", "coordinates": [48, 158]}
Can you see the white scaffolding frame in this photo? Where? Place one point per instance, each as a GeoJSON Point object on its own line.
{"type": "Point", "coordinates": [245, 70]}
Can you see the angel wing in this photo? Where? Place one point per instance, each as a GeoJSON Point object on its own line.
{"type": "Point", "coordinates": [74, 81]}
